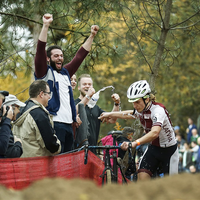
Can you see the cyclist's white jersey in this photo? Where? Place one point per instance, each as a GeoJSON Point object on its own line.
{"type": "Point", "coordinates": [157, 115]}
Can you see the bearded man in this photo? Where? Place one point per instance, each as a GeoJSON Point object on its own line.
{"type": "Point", "coordinates": [49, 67]}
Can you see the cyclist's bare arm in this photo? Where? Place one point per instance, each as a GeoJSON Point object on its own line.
{"type": "Point", "coordinates": [106, 116]}
{"type": "Point", "coordinates": [150, 136]}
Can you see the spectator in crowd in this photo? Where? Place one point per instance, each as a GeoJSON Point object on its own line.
{"type": "Point", "coordinates": [61, 104]}
{"type": "Point", "coordinates": [6, 116]}
{"type": "Point", "coordinates": [195, 135]}
{"type": "Point", "coordinates": [194, 150]}
{"type": "Point", "coordinates": [78, 120]}
{"type": "Point", "coordinates": [73, 84]}
{"type": "Point", "coordinates": [162, 150]}
{"type": "Point", "coordinates": [127, 135]}
{"type": "Point", "coordinates": [35, 126]}
{"type": "Point", "coordinates": [15, 145]}
{"type": "Point", "coordinates": [186, 158]}
{"type": "Point", "coordinates": [176, 129]}
{"type": "Point", "coordinates": [179, 137]}
{"type": "Point", "coordinates": [73, 81]}
{"type": "Point", "coordinates": [85, 86]}
{"type": "Point", "coordinates": [177, 132]}
{"type": "Point", "coordinates": [196, 167]}
{"type": "Point", "coordinates": [189, 129]}
{"type": "Point", "coordinates": [180, 143]}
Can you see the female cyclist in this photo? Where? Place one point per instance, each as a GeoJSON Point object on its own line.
{"type": "Point", "coordinates": [162, 149]}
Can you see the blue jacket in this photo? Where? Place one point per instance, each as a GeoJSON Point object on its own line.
{"type": "Point", "coordinates": [54, 102]}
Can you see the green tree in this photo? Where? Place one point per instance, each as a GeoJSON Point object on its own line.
{"type": "Point", "coordinates": [154, 40]}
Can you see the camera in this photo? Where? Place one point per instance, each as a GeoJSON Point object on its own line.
{"type": "Point", "coordinates": [4, 93]}
{"type": "Point", "coordinates": [1, 110]}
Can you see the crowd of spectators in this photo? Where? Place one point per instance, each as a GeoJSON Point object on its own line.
{"type": "Point", "coordinates": [189, 151]}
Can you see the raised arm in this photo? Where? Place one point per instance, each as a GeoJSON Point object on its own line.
{"type": "Point", "coordinates": [47, 19]}
{"type": "Point", "coordinates": [73, 66]}
{"type": "Point", "coordinates": [116, 99]}
{"type": "Point", "coordinates": [116, 107]}
{"type": "Point", "coordinates": [88, 43]}
{"type": "Point", "coordinates": [40, 58]}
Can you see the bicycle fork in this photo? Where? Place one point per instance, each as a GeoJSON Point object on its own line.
{"type": "Point", "coordinates": [107, 172]}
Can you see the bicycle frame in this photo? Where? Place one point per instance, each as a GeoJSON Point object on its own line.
{"type": "Point", "coordinates": [108, 169]}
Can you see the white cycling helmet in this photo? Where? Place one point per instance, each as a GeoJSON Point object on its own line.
{"type": "Point", "coordinates": [137, 90]}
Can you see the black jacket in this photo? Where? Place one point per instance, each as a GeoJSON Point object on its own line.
{"type": "Point", "coordinates": [14, 149]}
{"type": "Point", "coordinates": [5, 132]}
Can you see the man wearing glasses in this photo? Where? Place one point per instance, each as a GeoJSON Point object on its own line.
{"type": "Point", "coordinates": [34, 126]}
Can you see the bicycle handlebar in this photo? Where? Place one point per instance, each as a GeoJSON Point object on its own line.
{"type": "Point", "coordinates": [115, 132]}
{"type": "Point", "coordinates": [104, 147]}
{"type": "Point", "coordinates": [86, 147]}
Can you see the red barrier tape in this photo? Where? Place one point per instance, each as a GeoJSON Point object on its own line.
{"type": "Point", "coordinates": [19, 173]}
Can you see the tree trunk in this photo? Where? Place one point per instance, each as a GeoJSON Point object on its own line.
{"type": "Point", "coordinates": [161, 45]}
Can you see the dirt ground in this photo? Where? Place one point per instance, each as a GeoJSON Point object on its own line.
{"type": "Point", "coordinates": [178, 187]}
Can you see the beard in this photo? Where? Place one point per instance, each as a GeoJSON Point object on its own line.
{"type": "Point", "coordinates": [83, 93]}
{"type": "Point", "coordinates": [53, 65]}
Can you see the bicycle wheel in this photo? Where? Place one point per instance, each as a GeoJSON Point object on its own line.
{"type": "Point", "coordinates": [108, 176]}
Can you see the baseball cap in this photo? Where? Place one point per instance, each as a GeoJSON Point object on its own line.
{"type": "Point", "coordinates": [12, 99]}
{"type": "Point", "coordinates": [176, 128]}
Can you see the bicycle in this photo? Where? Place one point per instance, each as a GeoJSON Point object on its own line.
{"type": "Point", "coordinates": [110, 173]}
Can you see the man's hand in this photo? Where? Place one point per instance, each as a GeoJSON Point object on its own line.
{"type": "Point", "coordinates": [90, 92]}
{"type": "Point", "coordinates": [47, 19]}
{"type": "Point", "coordinates": [116, 98]}
{"type": "Point", "coordinates": [94, 29]}
{"type": "Point", "coordinates": [78, 121]}
{"type": "Point", "coordinates": [88, 43]}
{"type": "Point", "coordinates": [16, 139]}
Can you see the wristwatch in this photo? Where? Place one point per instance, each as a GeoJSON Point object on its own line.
{"type": "Point", "coordinates": [88, 97]}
